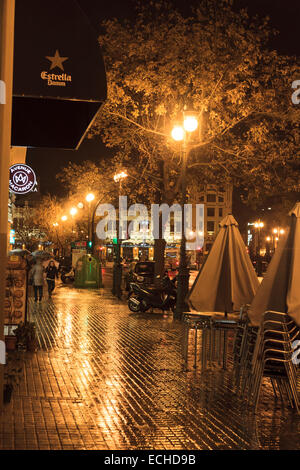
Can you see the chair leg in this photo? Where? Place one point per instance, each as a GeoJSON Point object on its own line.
{"type": "Point", "coordinates": [203, 358]}
{"type": "Point", "coordinates": [256, 397]}
{"type": "Point", "coordinates": [274, 389]}
{"type": "Point", "coordinates": [186, 344]}
{"type": "Point", "coordinates": [220, 346]}
{"type": "Point", "coordinates": [195, 347]}
{"type": "Point", "coordinates": [225, 350]}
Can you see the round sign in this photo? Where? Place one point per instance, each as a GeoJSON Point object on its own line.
{"type": "Point", "coordinates": [22, 179]}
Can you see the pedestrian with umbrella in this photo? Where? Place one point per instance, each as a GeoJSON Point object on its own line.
{"type": "Point", "coordinates": [52, 273]}
{"type": "Point", "coordinates": [37, 277]}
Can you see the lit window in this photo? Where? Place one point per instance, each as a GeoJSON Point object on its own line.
{"type": "Point", "coordinates": [211, 198]}
{"type": "Point", "coordinates": [210, 226]}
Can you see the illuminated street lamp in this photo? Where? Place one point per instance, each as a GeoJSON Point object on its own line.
{"type": "Point", "coordinates": [64, 218]}
{"type": "Point", "coordinates": [177, 133]}
{"type": "Point", "coordinates": [277, 232]}
{"type": "Point", "coordinates": [89, 198]}
{"type": "Point", "coordinates": [56, 225]}
{"type": "Point", "coordinates": [73, 211]}
{"type": "Point", "coordinates": [268, 240]}
{"type": "Point", "coordinates": [259, 225]}
{"type": "Point", "coordinates": [183, 133]}
{"type": "Point", "coordinates": [190, 121]}
{"type": "Point", "coordinates": [119, 176]}
{"type": "Point", "coordinates": [117, 268]}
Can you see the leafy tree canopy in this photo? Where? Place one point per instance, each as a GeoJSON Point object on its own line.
{"type": "Point", "coordinates": [216, 62]}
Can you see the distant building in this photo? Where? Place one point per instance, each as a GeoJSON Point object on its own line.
{"type": "Point", "coordinates": [217, 202]}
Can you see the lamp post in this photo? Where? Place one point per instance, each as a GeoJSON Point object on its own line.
{"type": "Point", "coordinates": [89, 198]}
{"type": "Point", "coordinates": [182, 133]}
{"type": "Point", "coordinates": [117, 268]}
{"type": "Point", "coordinates": [55, 224]}
{"type": "Point", "coordinates": [64, 218]}
{"type": "Point", "coordinates": [73, 212]}
{"type": "Point", "coordinates": [259, 225]}
{"type": "Point", "coordinates": [277, 232]}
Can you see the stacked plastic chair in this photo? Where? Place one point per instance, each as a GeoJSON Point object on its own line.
{"type": "Point", "coordinates": [273, 358]}
{"type": "Point", "coordinates": [243, 350]}
{"type": "Point", "coordinates": [267, 353]}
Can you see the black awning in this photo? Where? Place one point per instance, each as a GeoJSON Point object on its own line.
{"type": "Point", "coordinates": [59, 75]}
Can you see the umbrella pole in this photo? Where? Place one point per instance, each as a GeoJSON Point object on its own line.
{"type": "Point", "coordinates": [225, 347]}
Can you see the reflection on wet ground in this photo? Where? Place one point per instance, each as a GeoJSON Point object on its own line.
{"type": "Point", "coordinates": [105, 378]}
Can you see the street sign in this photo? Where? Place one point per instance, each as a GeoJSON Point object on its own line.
{"type": "Point", "coordinates": [22, 179]}
{"type": "Point", "coordinates": [59, 75]}
{"type": "Point", "coordinates": [12, 238]}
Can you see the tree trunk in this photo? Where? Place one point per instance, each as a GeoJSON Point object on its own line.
{"type": "Point", "coordinates": [160, 244]}
{"type": "Point", "coordinates": [159, 256]}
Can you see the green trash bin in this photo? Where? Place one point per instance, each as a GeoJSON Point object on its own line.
{"type": "Point", "coordinates": [88, 273]}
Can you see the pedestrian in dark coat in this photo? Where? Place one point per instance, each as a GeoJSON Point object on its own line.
{"type": "Point", "coordinates": [51, 273]}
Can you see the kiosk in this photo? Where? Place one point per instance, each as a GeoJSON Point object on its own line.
{"type": "Point", "coordinates": [88, 272]}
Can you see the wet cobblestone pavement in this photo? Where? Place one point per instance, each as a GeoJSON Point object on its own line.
{"type": "Point", "coordinates": [108, 379]}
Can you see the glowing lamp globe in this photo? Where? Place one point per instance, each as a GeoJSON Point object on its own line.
{"type": "Point", "coordinates": [190, 123]}
{"type": "Point", "coordinates": [177, 133]}
{"type": "Point", "coordinates": [90, 197]}
{"type": "Point", "coordinates": [73, 211]}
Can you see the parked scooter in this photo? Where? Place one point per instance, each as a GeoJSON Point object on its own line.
{"type": "Point", "coordinates": [143, 298]}
{"type": "Point", "coordinates": [68, 276]}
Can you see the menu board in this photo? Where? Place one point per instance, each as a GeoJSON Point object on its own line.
{"type": "Point", "coordinates": [15, 303]}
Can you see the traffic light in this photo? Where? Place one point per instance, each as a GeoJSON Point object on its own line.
{"type": "Point", "coordinates": [90, 244]}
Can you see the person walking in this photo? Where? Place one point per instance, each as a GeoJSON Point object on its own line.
{"type": "Point", "coordinates": [37, 276]}
{"type": "Point", "coordinates": [52, 273]}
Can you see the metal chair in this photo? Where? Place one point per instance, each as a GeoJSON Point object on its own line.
{"type": "Point", "coordinates": [197, 321]}
{"type": "Point", "coordinates": [214, 344]}
{"type": "Point", "coordinates": [272, 358]}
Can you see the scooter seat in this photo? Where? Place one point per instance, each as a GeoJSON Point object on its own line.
{"type": "Point", "coordinates": [154, 289]}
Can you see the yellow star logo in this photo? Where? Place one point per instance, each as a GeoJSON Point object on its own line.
{"type": "Point", "coordinates": [57, 61]}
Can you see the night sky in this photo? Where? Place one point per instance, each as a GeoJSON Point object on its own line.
{"type": "Point", "coordinates": [284, 15]}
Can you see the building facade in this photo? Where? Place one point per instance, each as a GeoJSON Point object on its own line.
{"type": "Point", "coordinates": [217, 202]}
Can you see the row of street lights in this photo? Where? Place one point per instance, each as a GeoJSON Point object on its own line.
{"type": "Point", "coordinates": [117, 269]}
{"type": "Point", "coordinates": [277, 232]}
{"type": "Point", "coordinates": [180, 133]}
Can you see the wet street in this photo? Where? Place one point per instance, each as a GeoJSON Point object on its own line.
{"type": "Point", "coordinates": [108, 379]}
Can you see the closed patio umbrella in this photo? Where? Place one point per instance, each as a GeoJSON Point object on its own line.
{"type": "Point", "coordinates": [227, 280]}
{"type": "Point", "coordinates": [42, 254]}
{"type": "Point", "coordinates": [19, 252]}
{"type": "Point", "coordinates": [280, 288]}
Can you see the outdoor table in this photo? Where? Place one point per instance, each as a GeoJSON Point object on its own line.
{"type": "Point", "coordinates": [212, 325]}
